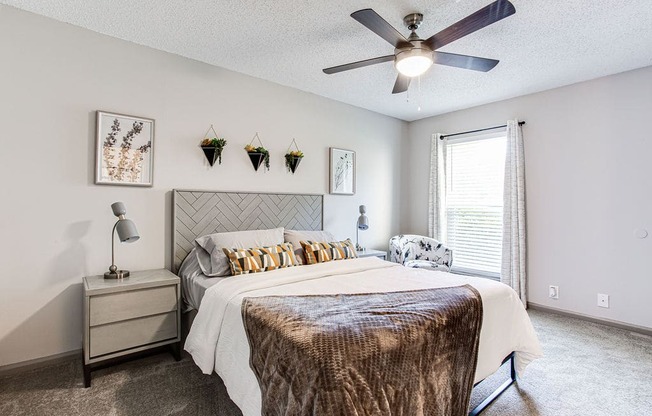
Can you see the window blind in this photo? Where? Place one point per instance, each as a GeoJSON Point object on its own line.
{"type": "Point", "coordinates": [475, 169]}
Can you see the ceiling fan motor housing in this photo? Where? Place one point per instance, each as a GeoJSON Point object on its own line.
{"type": "Point", "coordinates": [413, 21]}
{"type": "Point", "coordinates": [415, 57]}
{"type": "Point", "coordinates": [415, 47]}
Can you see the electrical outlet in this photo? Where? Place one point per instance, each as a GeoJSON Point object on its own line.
{"type": "Point", "coordinates": [553, 292]}
{"type": "Point", "coordinates": [603, 300]}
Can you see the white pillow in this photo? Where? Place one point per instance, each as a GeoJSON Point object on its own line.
{"type": "Point", "coordinates": [213, 261]}
{"type": "Point", "coordinates": [295, 236]}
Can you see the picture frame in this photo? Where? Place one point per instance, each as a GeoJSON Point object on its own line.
{"type": "Point", "coordinates": [342, 171]}
{"type": "Point", "coordinates": [124, 150]}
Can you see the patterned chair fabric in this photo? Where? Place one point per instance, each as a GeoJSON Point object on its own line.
{"type": "Point", "coordinates": [420, 252]}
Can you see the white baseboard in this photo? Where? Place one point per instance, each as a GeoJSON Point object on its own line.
{"type": "Point", "coordinates": [39, 362]}
{"type": "Point", "coordinates": [609, 322]}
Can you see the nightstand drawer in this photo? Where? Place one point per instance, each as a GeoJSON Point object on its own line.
{"type": "Point", "coordinates": [115, 307]}
{"type": "Point", "coordinates": [119, 336]}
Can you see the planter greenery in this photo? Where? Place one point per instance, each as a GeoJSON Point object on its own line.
{"type": "Point", "coordinates": [213, 149]}
{"type": "Point", "coordinates": [293, 157]}
{"type": "Point", "coordinates": [258, 156]}
{"type": "Point", "coordinates": [292, 160]}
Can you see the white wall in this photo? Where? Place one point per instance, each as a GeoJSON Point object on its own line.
{"type": "Point", "coordinates": [588, 151]}
{"type": "Point", "coordinates": [56, 223]}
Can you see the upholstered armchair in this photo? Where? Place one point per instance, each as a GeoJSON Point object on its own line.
{"type": "Point", "coordinates": [420, 252]}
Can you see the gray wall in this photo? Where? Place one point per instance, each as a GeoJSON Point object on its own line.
{"type": "Point", "coordinates": [589, 186]}
{"type": "Point", "coordinates": [56, 223]}
{"type": "Point", "coordinates": [587, 150]}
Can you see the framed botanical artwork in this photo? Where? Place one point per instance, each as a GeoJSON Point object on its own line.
{"type": "Point", "coordinates": [124, 150]}
{"type": "Point", "coordinates": [342, 171]}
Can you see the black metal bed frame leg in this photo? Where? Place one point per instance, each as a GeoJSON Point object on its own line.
{"type": "Point", "coordinates": [493, 396]}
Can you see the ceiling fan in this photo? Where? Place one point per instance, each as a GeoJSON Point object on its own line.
{"type": "Point", "coordinates": [413, 56]}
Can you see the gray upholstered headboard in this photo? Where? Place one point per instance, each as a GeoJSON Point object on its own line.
{"type": "Point", "coordinates": [197, 213]}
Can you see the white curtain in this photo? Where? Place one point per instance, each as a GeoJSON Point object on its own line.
{"type": "Point", "coordinates": [513, 271]}
{"type": "Point", "coordinates": [437, 188]}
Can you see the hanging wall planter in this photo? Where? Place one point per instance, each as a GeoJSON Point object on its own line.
{"type": "Point", "coordinates": [293, 157]}
{"type": "Point", "coordinates": [292, 162]}
{"type": "Point", "coordinates": [211, 154]}
{"type": "Point", "coordinates": [257, 159]}
{"type": "Point", "coordinates": [212, 147]}
{"type": "Point", "coordinates": [257, 155]}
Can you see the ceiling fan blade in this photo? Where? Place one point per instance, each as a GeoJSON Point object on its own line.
{"type": "Point", "coordinates": [401, 85]}
{"type": "Point", "coordinates": [465, 61]}
{"type": "Point", "coordinates": [492, 13]}
{"type": "Point", "coordinates": [359, 64]}
{"type": "Point", "coordinates": [372, 21]}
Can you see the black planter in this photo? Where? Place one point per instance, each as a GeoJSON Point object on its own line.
{"type": "Point", "coordinates": [212, 153]}
{"type": "Point", "coordinates": [257, 159]}
{"type": "Point", "coordinates": [293, 163]}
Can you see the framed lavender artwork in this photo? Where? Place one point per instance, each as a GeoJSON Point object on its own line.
{"type": "Point", "coordinates": [342, 171]}
{"type": "Point", "coordinates": [124, 150]}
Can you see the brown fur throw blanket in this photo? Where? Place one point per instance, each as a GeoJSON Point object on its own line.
{"type": "Point", "coordinates": [399, 353]}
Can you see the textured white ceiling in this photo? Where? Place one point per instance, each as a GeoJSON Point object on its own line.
{"type": "Point", "coordinates": [546, 44]}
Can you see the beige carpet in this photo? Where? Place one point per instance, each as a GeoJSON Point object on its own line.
{"type": "Point", "coordinates": [588, 369]}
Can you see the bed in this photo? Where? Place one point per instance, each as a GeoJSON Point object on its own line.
{"type": "Point", "coordinates": [217, 340]}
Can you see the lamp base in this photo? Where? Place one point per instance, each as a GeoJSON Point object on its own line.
{"type": "Point", "coordinates": [118, 274]}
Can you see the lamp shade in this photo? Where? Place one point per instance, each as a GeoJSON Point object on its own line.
{"type": "Point", "coordinates": [127, 232]}
{"type": "Point", "coordinates": [119, 208]}
{"type": "Point", "coordinates": [363, 222]}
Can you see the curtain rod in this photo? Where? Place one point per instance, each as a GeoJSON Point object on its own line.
{"type": "Point", "coordinates": [520, 123]}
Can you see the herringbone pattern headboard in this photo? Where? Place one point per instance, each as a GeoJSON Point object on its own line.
{"type": "Point", "coordinates": [197, 213]}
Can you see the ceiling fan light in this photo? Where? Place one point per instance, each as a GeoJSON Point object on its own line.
{"type": "Point", "coordinates": [414, 62]}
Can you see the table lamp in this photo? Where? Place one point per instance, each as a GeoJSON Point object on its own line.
{"type": "Point", "coordinates": [127, 233]}
{"type": "Point", "coordinates": [362, 224]}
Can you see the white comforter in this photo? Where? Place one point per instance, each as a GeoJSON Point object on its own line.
{"type": "Point", "coordinates": [217, 339]}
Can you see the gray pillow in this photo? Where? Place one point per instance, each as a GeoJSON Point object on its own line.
{"type": "Point", "coordinates": [294, 236]}
{"type": "Point", "coordinates": [213, 261]}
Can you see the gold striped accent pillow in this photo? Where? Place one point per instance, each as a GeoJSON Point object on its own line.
{"type": "Point", "coordinates": [320, 252]}
{"type": "Point", "coordinates": [260, 259]}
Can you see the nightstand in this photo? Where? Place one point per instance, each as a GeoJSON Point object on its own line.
{"type": "Point", "coordinates": [372, 253]}
{"type": "Point", "coordinates": [125, 316]}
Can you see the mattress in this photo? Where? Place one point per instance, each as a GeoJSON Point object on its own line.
{"type": "Point", "coordinates": [217, 340]}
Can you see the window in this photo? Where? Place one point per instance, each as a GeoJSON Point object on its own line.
{"type": "Point", "coordinates": [475, 170]}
